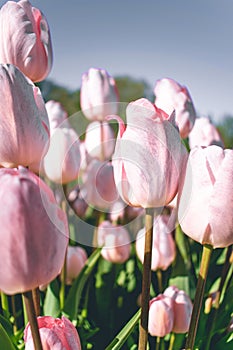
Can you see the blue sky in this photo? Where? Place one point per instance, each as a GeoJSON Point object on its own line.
{"type": "Point", "coordinates": [189, 41]}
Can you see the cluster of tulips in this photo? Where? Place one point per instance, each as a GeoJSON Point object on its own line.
{"type": "Point", "coordinates": [166, 167]}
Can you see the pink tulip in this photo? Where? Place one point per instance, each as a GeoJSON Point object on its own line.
{"type": "Point", "coordinates": [34, 232]}
{"type": "Point", "coordinates": [75, 261]}
{"type": "Point", "coordinates": [170, 96]}
{"type": "Point", "coordinates": [99, 144]}
{"type": "Point", "coordinates": [115, 241]}
{"type": "Point", "coordinates": [57, 114]}
{"type": "Point", "coordinates": [148, 157]}
{"type": "Point", "coordinates": [161, 316]}
{"type": "Point", "coordinates": [99, 189]}
{"type": "Point", "coordinates": [163, 247]}
{"type": "Point", "coordinates": [204, 133]}
{"type": "Point", "coordinates": [55, 333]}
{"type": "Point", "coordinates": [182, 309]}
{"type": "Point", "coordinates": [205, 202]}
{"type": "Point", "coordinates": [25, 39]}
{"type": "Point", "coordinates": [98, 95]}
{"type": "Point", "coordinates": [77, 203]}
{"type": "Point", "coordinates": [62, 161]}
{"type": "Point", "coordinates": [117, 210]}
{"type": "Point", "coordinates": [24, 122]}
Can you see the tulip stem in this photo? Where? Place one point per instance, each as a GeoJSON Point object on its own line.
{"type": "Point", "coordinates": [205, 261]}
{"type": "Point", "coordinates": [36, 300]}
{"type": "Point", "coordinates": [146, 279]}
{"type": "Point", "coordinates": [160, 280]}
{"type": "Point", "coordinates": [29, 304]}
{"type": "Point", "coordinates": [14, 313]}
{"type": "Point", "coordinates": [63, 271]}
{"type": "Point", "coordinates": [5, 304]}
{"type": "Point", "coordinates": [172, 341]}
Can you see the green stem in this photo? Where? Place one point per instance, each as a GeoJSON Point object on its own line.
{"type": "Point", "coordinates": [63, 271]}
{"type": "Point", "coordinates": [172, 341]}
{"type": "Point", "coordinates": [5, 304]}
{"type": "Point", "coordinates": [158, 339]}
{"type": "Point", "coordinates": [146, 279]}
{"type": "Point", "coordinates": [205, 261]}
{"type": "Point", "coordinates": [121, 338]}
{"type": "Point", "coordinates": [29, 304]}
{"type": "Point", "coordinates": [14, 313]}
{"type": "Point", "coordinates": [160, 280]}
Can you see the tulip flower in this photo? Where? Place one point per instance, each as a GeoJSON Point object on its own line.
{"type": "Point", "coordinates": [204, 133]}
{"type": "Point", "coordinates": [77, 203]}
{"type": "Point", "coordinates": [25, 39]}
{"type": "Point", "coordinates": [75, 260]}
{"type": "Point", "coordinates": [99, 140]}
{"type": "Point", "coordinates": [23, 119]}
{"type": "Point", "coordinates": [55, 334]}
{"type": "Point", "coordinates": [148, 157]}
{"type": "Point", "coordinates": [205, 202]}
{"type": "Point", "coordinates": [34, 232]}
{"type": "Point", "coordinates": [57, 114]}
{"type": "Point", "coordinates": [182, 309]}
{"type": "Point", "coordinates": [115, 241]}
{"type": "Point", "coordinates": [98, 94]}
{"type": "Point", "coordinates": [98, 187]}
{"type": "Point", "coordinates": [161, 316]}
{"type": "Point", "coordinates": [163, 246]}
{"type": "Point", "coordinates": [169, 96]}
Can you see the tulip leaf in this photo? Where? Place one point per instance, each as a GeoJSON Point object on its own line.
{"type": "Point", "coordinates": [52, 302]}
{"type": "Point", "coordinates": [73, 298]}
{"type": "Point", "coordinates": [5, 341]}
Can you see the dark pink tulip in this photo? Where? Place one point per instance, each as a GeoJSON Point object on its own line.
{"type": "Point", "coordinates": [24, 130]}
{"type": "Point", "coordinates": [148, 156]}
{"type": "Point", "coordinates": [182, 309]}
{"type": "Point", "coordinates": [204, 133]}
{"type": "Point", "coordinates": [99, 95]}
{"type": "Point", "coordinates": [25, 39]}
{"type": "Point", "coordinates": [75, 260]}
{"type": "Point", "coordinates": [99, 188]}
{"type": "Point", "coordinates": [170, 96]}
{"type": "Point", "coordinates": [163, 246]}
{"type": "Point", "coordinates": [161, 316]}
{"type": "Point", "coordinates": [78, 204]}
{"type": "Point", "coordinates": [99, 144]}
{"type": "Point", "coordinates": [34, 232]}
{"type": "Point", "coordinates": [205, 202]}
{"type": "Point", "coordinates": [55, 333]}
{"type": "Point", "coordinates": [115, 241]}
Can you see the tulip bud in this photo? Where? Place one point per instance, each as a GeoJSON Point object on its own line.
{"type": "Point", "coordinates": [182, 309]}
{"type": "Point", "coordinates": [99, 143]}
{"type": "Point", "coordinates": [98, 95]}
{"type": "Point", "coordinates": [205, 201]}
{"type": "Point", "coordinates": [23, 119]}
{"type": "Point", "coordinates": [75, 261]}
{"type": "Point", "coordinates": [56, 114]}
{"type": "Point", "coordinates": [34, 230]}
{"type": "Point", "coordinates": [163, 246]}
{"type": "Point", "coordinates": [148, 157]}
{"type": "Point", "coordinates": [55, 333]}
{"type": "Point", "coordinates": [25, 39]}
{"type": "Point", "coordinates": [170, 96]}
{"type": "Point", "coordinates": [204, 133]}
{"type": "Point", "coordinates": [161, 316]}
{"type": "Point", "coordinates": [115, 241]}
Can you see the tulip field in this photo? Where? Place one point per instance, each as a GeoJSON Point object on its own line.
{"type": "Point", "coordinates": [116, 221]}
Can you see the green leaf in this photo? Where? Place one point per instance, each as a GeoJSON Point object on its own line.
{"type": "Point", "coordinates": [5, 341]}
{"type": "Point", "coordinates": [73, 299]}
{"type": "Point", "coordinates": [52, 302]}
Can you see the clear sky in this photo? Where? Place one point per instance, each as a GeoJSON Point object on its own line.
{"type": "Point", "coordinates": [189, 41]}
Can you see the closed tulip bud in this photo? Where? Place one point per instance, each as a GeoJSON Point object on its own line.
{"type": "Point", "coordinates": [117, 211]}
{"type": "Point", "coordinates": [75, 260]}
{"type": "Point", "coordinates": [161, 316]}
{"type": "Point", "coordinates": [62, 161]}
{"type": "Point", "coordinates": [115, 241]}
{"type": "Point", "coordinates": [55, 333]}
{"type": "Point", "coordinates": [205, 202]}
{"type": "Point", "coordinates": [204, 133]}
{"type": "Point", "coordinates": [182, 309]}
{"type": "Point", "coordinates": [98, 95]}
{"type": "Point", "coordinates": [23, 119]}
{"type": "Point", "coordinates": [99, 188]}
{"type": "Point", "coordinates": [99, 143]}
{"type": "Point", "coordinates": [163, 246]}
{"type": "Point", "coordinates": [78, 204]}
{"type": "Point", "coordinates": [57, 114]}
{"type": "Point", "coordinates": [25, 39]}
{"type": "Point", "coordinates": [148, 157]}
{"type": "Point", "coordinates": [169, 96]}
{"type": "Point", "coordinates": [34, 231]}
